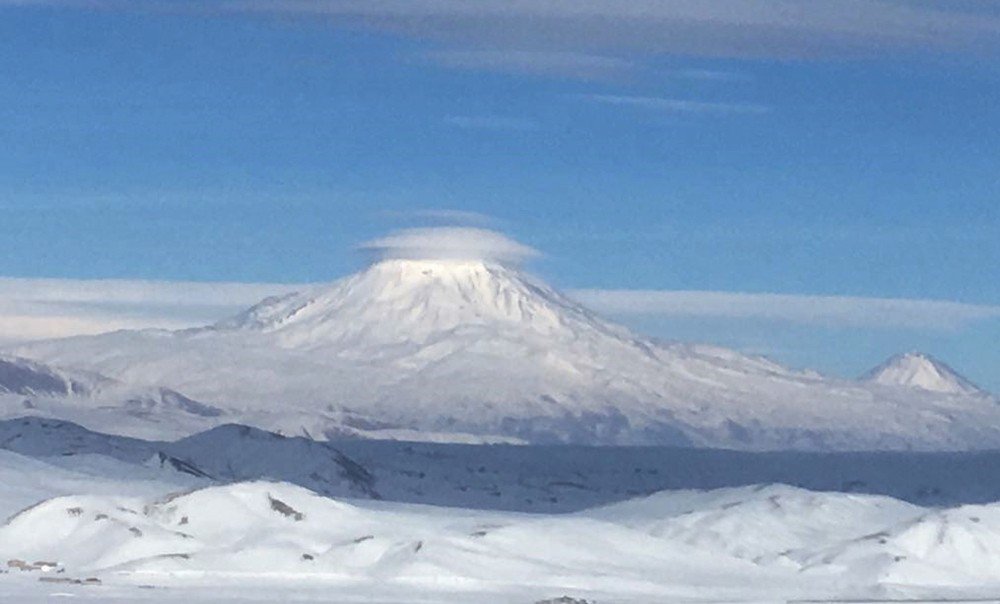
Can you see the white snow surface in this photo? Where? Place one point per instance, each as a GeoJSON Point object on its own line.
{"type": "Point", "coordinates": [754, 543]}
{"type": "Point", "coordinates": [480, 352]}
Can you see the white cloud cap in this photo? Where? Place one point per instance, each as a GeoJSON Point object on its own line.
{"type": "Point", "coordinates": [450, 243]}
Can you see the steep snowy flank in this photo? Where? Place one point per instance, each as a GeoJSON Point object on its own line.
{"type": "Point", "coordinates": [481, 351]}
{"type": "Point", "coordinates": [919, 370]}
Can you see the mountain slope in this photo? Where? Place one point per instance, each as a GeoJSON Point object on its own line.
{"type": "Point", "coordinates": [39, 389]}
{"type": "Point", "coordinates": [471, 349]}
{"type": "Point", "coordinates": [27, 378]}
{"type": "Point", "coordinates": [919, 370]}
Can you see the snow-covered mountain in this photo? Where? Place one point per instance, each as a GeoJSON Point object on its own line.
{"type": "Point", "coordinates": [473, 350]}
{"type": "Point", "coordinates": [920, 370]}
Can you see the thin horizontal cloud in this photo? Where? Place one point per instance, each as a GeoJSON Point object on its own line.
{"type": "Point", "coordinates": [710, 75]}
{"type": "Point", "coordinates": [845, 311]}
{"type": "Point", "coordinates": [33, 309]}
{"type": "Point", "coordinates": [678, 105]}
{"type": "Point", "coordinates": [579, 65]}
{"type": "Point", "coordinates": [491, 122]}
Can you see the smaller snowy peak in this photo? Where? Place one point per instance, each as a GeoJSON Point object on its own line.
{"type": "Point", "coordinates": [922, 371]}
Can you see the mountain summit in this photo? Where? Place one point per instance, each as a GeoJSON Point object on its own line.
{"type": "Point", "coordinates": [922, 371]}
{"type": "Point", "coordinates": [442, 340]}
{"type": "Point", "coordinates": [404, 304]}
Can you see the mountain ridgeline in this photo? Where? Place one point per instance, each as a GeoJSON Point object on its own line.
{"type": "Point", "coordinates": [476, 351]}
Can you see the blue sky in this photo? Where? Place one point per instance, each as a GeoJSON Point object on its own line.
{"type": "Point", "coordinates": [666, 145]}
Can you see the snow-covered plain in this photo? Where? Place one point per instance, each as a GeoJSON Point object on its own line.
{"type": "Point", "coordinates": [475, 351]}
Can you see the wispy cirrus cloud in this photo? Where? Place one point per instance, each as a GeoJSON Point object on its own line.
{"type": "Point", "coordinates": [579, 65]}
{"type": "Point", "coordinates": [601, 38]}
{"type": "Point", "coordinates": [735, 28]}
{"type": "Point", "coordinates": [670, 105]}
{"type": "Point", "coordinates": [709, 75]}
{"type": "Point", "coordinates": [491, 122]}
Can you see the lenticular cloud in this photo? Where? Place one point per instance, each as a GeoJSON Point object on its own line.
{"type": "Point", "coordinates": [450, 243]}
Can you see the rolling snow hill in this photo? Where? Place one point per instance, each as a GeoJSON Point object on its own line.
{"type": "Point", "coordinates": [474, 351]}
{"type": "Point", "coordinates": [748, 544]}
